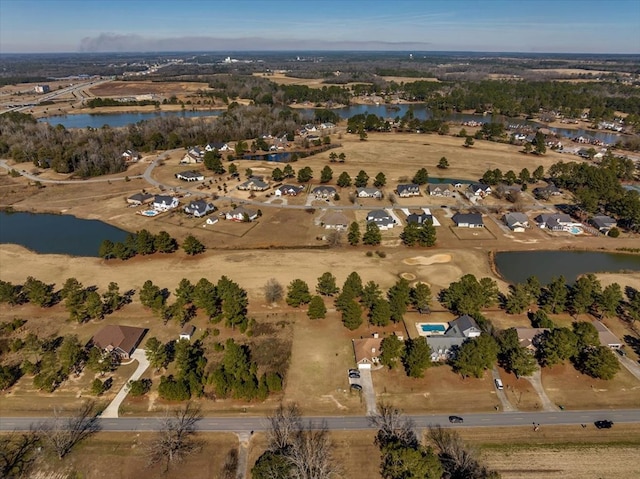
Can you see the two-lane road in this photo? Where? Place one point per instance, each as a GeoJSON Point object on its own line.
{"type": "Point", "coordinates": [243, 423]}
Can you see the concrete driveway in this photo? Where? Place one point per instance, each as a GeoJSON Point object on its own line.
{"type": "Point", "coordinates": [506, 405]}
{"type": "Point", "coordinates": [630, 365]}
{"type": "Point", "coordinates": [143, 364]}
{"type": "Point", "coordinates": [366, 381]}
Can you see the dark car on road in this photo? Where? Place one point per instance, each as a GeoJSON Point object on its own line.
{"type": "Point", "coordinates": [356, 387]}
{"type": "Point", "coordinates": [354, 375]}
{"type": "Point", "coordinates": [456, 419]}
{"type": "Point", "coordinates": [604, 424]}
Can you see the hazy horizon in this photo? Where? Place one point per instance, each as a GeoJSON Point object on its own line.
{"type": "Point", "coordinates": [138, 26]}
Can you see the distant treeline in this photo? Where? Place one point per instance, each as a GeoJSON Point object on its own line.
{"type": "Point", "coordinates": [98, 102]}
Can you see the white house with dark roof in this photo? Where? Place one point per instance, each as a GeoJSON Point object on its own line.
{"type": "Point", "coordinates": [407, 190]}
{"type": "Point", "coordinates": [460, 329]}
{"type": "Point", "coordinates": [479, 190]}
{"type": "Point", "coordinates": [468, 220]}
{"type": "Point", "coordinates": [420, 218]}
{"type": "Point", "coordinates": [381, 219]}
{"type": "Point", "coordinates": [324, 192]}
{"type": "Point", "coordinates": [199, 208]}
{"type": "Point", "coordinates": [555, 222]}
{"type": "Point", "coordinates": [165, 203]}
{"type": "Point", "coordinates": [241, 214]}
{"type": "Point", "coordinates": [138, 199]}
{"type": "Point", "coordinates": [254, 184]}
{"type": "Point", "coordinates": [368, 193]}
{"type": "Point", "coordinates": [217, 147]}
{"type": "Point", "coordinates": [517, 222]}
{"type": "Point", "coordinates": [439, 190]}
{"type": "Point", "coordinates": [603, 222]}
{"type": "Point", "coordinates": [131, 156]}
{"type": "Point", "coordinates": [193, 155]}
{"type": "Point", "coordinates": [289, 190]}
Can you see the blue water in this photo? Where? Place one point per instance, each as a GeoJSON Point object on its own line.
{"type": "Point", "coordinates": [277, 157]}
{"type": "Point", "coordinates": [430, 328]}
{"type": "Point", "coordinates": [57, 234]}
{"type": "Point", "coordinates": [517, 266]}
{"type": "Point", "coordinates": [114, 120]}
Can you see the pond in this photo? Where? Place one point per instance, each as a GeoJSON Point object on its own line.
{"type": "Point", "coordinates": [517, 266]}
{"type": "Point", "coordinates": [277, 157]}
{"type": "Point", "coordinates": [114, 120]}
{"type": "Point", "coordinates": [56, 234]}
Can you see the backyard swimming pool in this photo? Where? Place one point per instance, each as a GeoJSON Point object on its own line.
{"type": "Point", "coordinates": [431, 329]}
{"type": "Point", "coordinates": [575, 230]}
{"type": "Point", "coordinates": [149, 213]}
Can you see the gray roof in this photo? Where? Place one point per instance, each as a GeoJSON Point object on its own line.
{"type": "Point", "coordinates": [166, 199]}
{"type": "Point", "coordinates": [141, 197]}
{"type": "Point", "coordinates": [369, 191]}
{"type": "Point", "coordinates": [603, 221]}
{"type": "Point", "coordinates": [479, 187]}
{"type": "Point", "coordinates": [420, 218]}
{"type": "Point", "coordinates": [323, 190]}
{"type": "Point", "coordinates": [515, 217]}
{"type": "Point", "coordinates": [462, 324]}
{"type": "Point", "coordinates": [468, 218]}
{"type": "Point", "coordinates": [378, 214]}
{"type": "Point", "coordinates": [296, 188]}
{"type": "Point", "coordinates": [411, 187]}
{"type": "Point", "coordinates": [199, 206]}
{"type": "Point", "coordinates": [190, 174]}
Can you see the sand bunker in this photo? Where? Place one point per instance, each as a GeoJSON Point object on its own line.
{"type": "Point", "coordinates": [408, 276]}
{"type": "Point", "coordinates": [426, 261]}
{"type": "Point", "coordinates": [420, 282]}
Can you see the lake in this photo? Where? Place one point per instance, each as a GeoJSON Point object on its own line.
{"type": "Point", "coordinates": [517, 266]}
{"type": "Point", "coordinates": [56, 234]}
{"type": "Point", "coordinates": [114, 120]}
{"type": "Point", "coordinates": [420, 111]}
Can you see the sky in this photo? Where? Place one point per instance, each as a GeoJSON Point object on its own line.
{"type": "Point", "coordinates": [542, 26]}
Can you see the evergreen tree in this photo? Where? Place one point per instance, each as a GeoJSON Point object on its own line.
{"type": "Point", "coordinates": [475, 355]}
{"type": "Point", "coordinates": [362, 179]}
{"type": "Point", "coordinates": [192, 246]}
{"type": "Point", "coordinates": [277, 174]}
{"type": "Point", "coordinates": [354, 234]}
{"type": "Point", "coordinates": [399, 296]}
{"type": "Point", "coordinates": [370, 294]}
{"type": "Point", "coordinates": [327, 284]}
{"type": "Point", "coordinates": [391, 350]}
{"type": "Point", "coordinates": [344, 180]}
{"type": "Point", "coordinates": [352, 315]}
{"type": "Point", "coordinates": [421, 297]}
{"type": "Point", "coordinates": [317, 309]}
{"type": "Point", "coordinates": [165, 243]}
{"type": "Point", "coordinates": [372, 235]}
{"type": "Point", "coordinates": [416, 357]}
{"type": "Point", "coordinates": [326, 175]}
{"type": "Point", "coordinates": [421, 177]}
{"type": "Point", "coordinates": [298, 293]}
{"type": "Point", "coordinates": [380, 313]}
{"type": "Point", "coordinates": [380, 180]}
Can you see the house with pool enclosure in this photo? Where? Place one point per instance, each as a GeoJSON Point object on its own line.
{"type": "Point", "coordinates": [442, 338]}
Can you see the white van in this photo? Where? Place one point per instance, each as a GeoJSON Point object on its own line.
{"type": "Point", "coordinates": [499, 384]}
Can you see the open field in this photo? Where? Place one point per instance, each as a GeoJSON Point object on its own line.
{"type": "Point", "coordinates": [132, 88]}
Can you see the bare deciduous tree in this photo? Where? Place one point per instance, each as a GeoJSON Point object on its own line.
{"type": "Point", "coordinates": [17, 453]}
{"type": "Point", "coordinates": [334, 239]}
{"type": "Point", "coordinates": [458, 459]}
{"type": "Point", "coordinates": [64, 432]}
{"type": "Point", "coordinates": [230, 466]}
{"type": "Point", "coordinates": [393, 426]}
{"type": "Point", "coordinates": [284, 423]}
{"type": "Point", "coordinates": [175, 438]}
{"type": "Point", "coordinates": [273, 291]}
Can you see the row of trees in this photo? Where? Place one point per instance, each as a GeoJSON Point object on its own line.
{"type": "Point", "coordinates": [144, 243]}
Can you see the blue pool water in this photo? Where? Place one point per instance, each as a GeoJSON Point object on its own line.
{"type": "Point", "coordinates": [432, 328]}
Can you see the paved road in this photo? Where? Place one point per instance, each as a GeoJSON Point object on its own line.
{"type": "Point", "coordinates": [342, 423]}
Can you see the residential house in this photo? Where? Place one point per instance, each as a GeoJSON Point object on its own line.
{"type": "Point", "coordinates": [555, 222]}
{"type": "Point", "coordinates": [217, 147]}
{"type": "Point", "coordinates": [381, 219]}
{"type": "Point", "coordinates": [544, 192]}
{"type": "Point", "coordinates": [289, 190]}
{"type": "Point", "coordinates": [254, 183]}
{"type": "Point", "coordinates": [408, 190]}
{"type": "Point", "coordinates": [190, 176]}
{"type": "Point", "coordinates": [603, 223]}
{"type": "Point", "coordinates": [130, 156]}
{"type": "Point", "coordinates": [479, 190]}
{"type": "Point", "coordinates": [368, 193]}
{"type": "Point", "coordinates": [199, 208]}
{"type": "Point", "coordinates": [42, 89]}
{"type": "Point", "coordinates": [367, 352]}
{"type": "Point", "coordinates": [138, 199]}
{"type": "Point", "coordinates": [516, 222]}
{"type": "Point", "coordinates": [335, 220]}
{"type": "Point", "coordinates": [241, 214]}
{"type": "Point", "coordinates": [165, 203]}
{"type": "Point", "coordinates": [607, 338]}
{"type": "Point", "coordinates": [187, 332]}
{"type": "Point", "coordinates": [526, 337]}
{"type": "Point", "coordinates": [193, 155]}
{"type": "Point", "coordinates": [324, 192]}
{"type": "Point", "coordinates": [468, 220]}
{"type": "Point", "coordinates": [119, 340]}
{"type": "Point", "coordinates": [439, 190]}
{"type": "Point", "coordinates": [459, 330]}
{"type": "Point", "coordinates": [212, 220]}
{"type": "Point", "coordinates": [419, 218]}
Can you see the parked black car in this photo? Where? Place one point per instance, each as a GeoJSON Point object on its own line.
{"type": "Point", "coordinates": [356, 387]}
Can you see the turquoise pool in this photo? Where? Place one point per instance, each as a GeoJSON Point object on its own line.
{"type": "Point", "coordinates": [433, 328]}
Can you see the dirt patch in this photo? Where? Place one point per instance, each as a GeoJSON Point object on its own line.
{"type": "Point", "coordinates": [408, 276]}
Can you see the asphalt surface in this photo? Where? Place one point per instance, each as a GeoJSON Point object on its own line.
{"type": "Point", "coordinates": [346, 423]}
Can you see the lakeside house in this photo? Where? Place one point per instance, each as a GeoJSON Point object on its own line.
{"type": "Point", "coordinates": [165, 203]}
{"type": "Point", "coordinates": [517, 222]}
{"type": "Point", "coordinates": [439, 190]}
{"type": "Point", "coordinates": [479, 190]}
{"type": "Point", "coordinates": [217, 147]}
{"type": "Point", "coordinates": [556, 222]}
{"type": "Point", "coordinates": [604, 223]}
{"type": "Point", "coordinates": [138, 199]}
{"type": "Point", "coordinates": [408, 190]}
